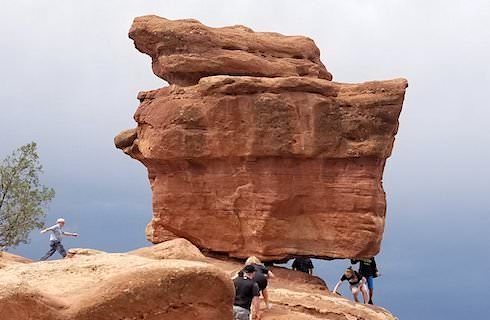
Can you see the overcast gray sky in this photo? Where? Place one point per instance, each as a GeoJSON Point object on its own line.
{"type": "Point", "coordinates": [70, 77]}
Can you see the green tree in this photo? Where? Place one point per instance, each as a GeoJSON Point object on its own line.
{"type": "Point", "coordinates": [23, 200]}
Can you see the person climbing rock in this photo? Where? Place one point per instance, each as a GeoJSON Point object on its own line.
{"type": "Point", "coordinates": [303, 264]}
{"type": "Point", "coordinates": [55, 238]}
{"type": "Point", "coordinates": [369, 270]}
{"type": "Point", "coordinates": [357, 284]}
{"type": "Point", "coordinates": [246, 305]}
{"type": "Point", "coordinates": [262, 275]}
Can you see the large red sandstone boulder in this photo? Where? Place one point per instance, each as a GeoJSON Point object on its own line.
{"type": "Point", "coordinates": [276, 166]}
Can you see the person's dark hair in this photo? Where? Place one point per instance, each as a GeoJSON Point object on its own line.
{"type": "Point", "coordinates": [249, 269]}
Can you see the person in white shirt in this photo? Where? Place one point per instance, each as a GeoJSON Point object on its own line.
{"type": "Point", "coordinates": [55, 239]}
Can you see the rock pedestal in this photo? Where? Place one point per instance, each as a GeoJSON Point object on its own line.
{"type": "Point", "coordinates": [252, 150]}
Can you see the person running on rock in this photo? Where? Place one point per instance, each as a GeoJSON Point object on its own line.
{"type": "Point", "coordinates": [303, 264]}
{"type": "Point", "coordinates": [246, 305]}
{"type": "Point", "coordinates": [55, 239]}
{"type": "Point", "coordinates": [262, 275]}
{"type": "Point", "coordinates": [368, 269]}
{"type": "Point", "coordinates": [357, 283]}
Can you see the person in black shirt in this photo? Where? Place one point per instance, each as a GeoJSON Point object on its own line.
{"type": "Point", "coordinates": [369, 270]}
{"type": "Point", "coordinates": [262, 275]}
{"type": "Point", "coordinates": [357, 284]}
{"type": "Point", "coordinates": [303, 264]}
{"type": "Point", "coordinates": [246, 304]}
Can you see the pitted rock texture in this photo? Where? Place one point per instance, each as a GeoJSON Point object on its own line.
{"type": "Point", "coordinates": [185, 51]}
{"type": "Point", "coordinates": [115, 286]}
{"type": "Point", "coordinates": [269, 166]}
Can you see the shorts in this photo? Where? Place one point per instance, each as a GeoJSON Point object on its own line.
{"type": "Point", "coordinates": [356, 288]}
{"type": "Point", "coordinates": [240, 313]}
{"type": "Point", "coordinates": [370, 282]}
{"type": "Point", "coordinates": [261, 280]}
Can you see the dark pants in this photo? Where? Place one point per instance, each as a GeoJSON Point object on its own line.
{"type": "Point", "coordinates": [55, 246]}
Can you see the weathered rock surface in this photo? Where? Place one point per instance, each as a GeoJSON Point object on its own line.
{"type": "Point", "coordinates": [276, 166]}
{"type": "Point", "coordinates": [7, 259]}
{"type": "Point", "coordinates": [93, 285]}
{"type": "Point", "coordinates": [185, 51]}
{"type": "Point", "coordinates": [115, 286]}
{"type": "Point", "coordinates": [174, 249]}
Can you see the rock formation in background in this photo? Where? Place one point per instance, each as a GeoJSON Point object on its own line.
{"type": "Point", "coordinates": [252, 150]}
{"type": "Point", "coordinates": [163, 282]}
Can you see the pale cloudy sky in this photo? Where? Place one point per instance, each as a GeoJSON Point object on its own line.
{"type": "Point", "coordinates": [70, 77]}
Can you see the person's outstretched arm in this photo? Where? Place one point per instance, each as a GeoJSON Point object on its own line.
{"type": "Point", "coordinates": [255, 307]}
{"type": "Point", "coordinates": [48, 229]}
{"type": "Point", "coordinates": [254, 313]}
{"type": "Point", "coordinates": [337, 286]}
{"type": "Point", "coordinates": [71, 234]}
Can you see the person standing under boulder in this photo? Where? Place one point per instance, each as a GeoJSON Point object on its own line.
{"type": "Point", "coordinates": [262, 275]}
{"type": "Point", "coordinates": [246, 305]}
{"type": "Point", "coordinates": [303, 264]}
{"type": "Point", "coordinates": [55, 239]}
{"type": "Point", "coordinates": [368, 269]}
{"type": "Point", "coordinates": [357, 283]}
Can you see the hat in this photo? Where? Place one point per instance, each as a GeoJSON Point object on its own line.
{"type": "Point", "coordinates": [249, 269]}
{"type": "Point", "coordinates": [60, 220]}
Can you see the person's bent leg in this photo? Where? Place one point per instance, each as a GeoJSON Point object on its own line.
{"type": "Point", "coordinates": [355, 291]}
{"type": "Point", "coordinates": [51, 251]}
{"type": "Point", "coordinates": [265, 294]}
{"type": "Point", "coordinates": [61, 250]}
{"type": "Point", "coordinates": [365, 294]}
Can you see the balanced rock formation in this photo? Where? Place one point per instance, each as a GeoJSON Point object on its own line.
{"type": "Point", "coordinates": [252, 150]}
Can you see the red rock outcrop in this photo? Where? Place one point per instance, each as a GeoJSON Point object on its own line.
{"type": "Point", "coordinates": [115, 286]}
{"type": "Point", "coordinates": [185, 51]}
{"type": "Point", "coordinates": [258, 162]}
{"type": "Point", "coordinates": [94, 285]}
{"type": "Point", "coordinates": [7, 259]}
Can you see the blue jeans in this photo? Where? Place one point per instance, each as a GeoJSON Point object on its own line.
{"type": "Point", "coordinates": [54, 246]}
